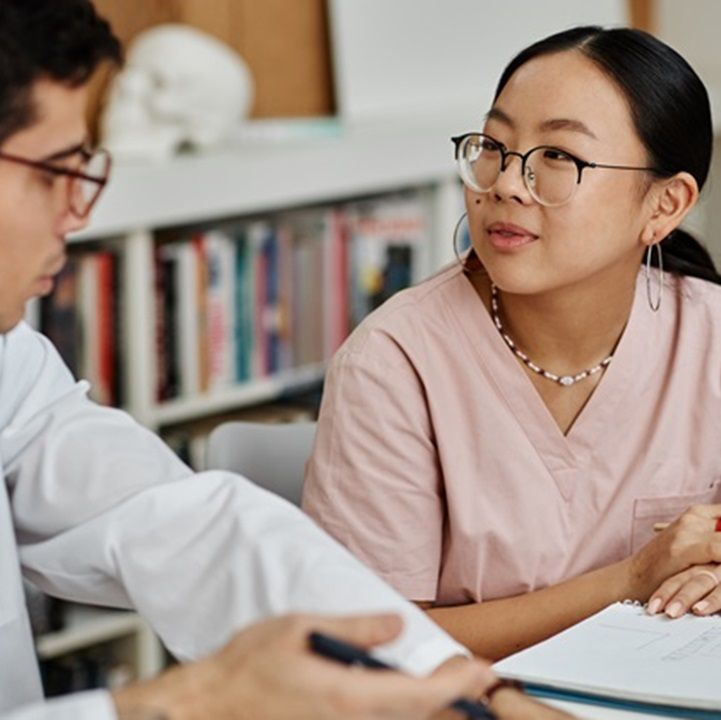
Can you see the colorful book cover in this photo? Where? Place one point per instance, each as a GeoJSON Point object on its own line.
{"type": "Point", "coordinates": [106, 329]}
{"type": "Point", "coordinates": [220, 261]}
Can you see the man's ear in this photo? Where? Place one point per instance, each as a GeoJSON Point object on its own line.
{"type": "Point", "coordinates": [671, 200]}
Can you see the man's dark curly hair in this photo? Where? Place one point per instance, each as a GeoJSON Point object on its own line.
{"type": "Point", "coordinates": [62, 40]}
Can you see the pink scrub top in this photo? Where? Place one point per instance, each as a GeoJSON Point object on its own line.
{"type": "Point", "coordinates": [437, 463]}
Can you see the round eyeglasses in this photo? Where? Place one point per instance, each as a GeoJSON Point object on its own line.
{"type": "Point", "coordinates": [85, 181]}
{"type": "Point", "coordinates": [551, 175]}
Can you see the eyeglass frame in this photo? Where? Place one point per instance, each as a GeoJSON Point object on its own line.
{"type": "Point", "coordinates": [68, 172]}
{"type": "Point", "coordinates": [580, 164]}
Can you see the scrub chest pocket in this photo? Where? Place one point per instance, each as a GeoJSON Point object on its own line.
{"type": "Point", "coordinates": [651, 510]}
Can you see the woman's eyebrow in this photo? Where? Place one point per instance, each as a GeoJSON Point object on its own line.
{"type": "Point", "coordinates": [552, 124]}
{"type": "Point", "coordinates": [497, 114]}
{"type": "Point", "coordinates": [567, 124]}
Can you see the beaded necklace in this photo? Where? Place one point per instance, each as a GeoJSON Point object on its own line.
{"type": "Point", "coordinates": [564, 380]}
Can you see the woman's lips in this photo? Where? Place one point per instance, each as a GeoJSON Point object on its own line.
{"type": "Point", "coordinates": [506, 236]}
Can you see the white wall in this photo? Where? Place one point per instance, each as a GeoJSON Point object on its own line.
{"type": "Point", "coordinates": [401, 56]}
{"type": "Point", "coordinates": [692, 27]}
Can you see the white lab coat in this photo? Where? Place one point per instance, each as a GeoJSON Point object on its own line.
{"type": "Point", "coordinates": [94, 508]}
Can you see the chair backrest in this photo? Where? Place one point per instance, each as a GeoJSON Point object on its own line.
{"type": "Point", "coordinates": [272, 455]}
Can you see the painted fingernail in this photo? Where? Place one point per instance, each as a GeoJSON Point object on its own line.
{"type": "Point", "coordinates": [700, 607]}
{"type": "Point", "coordinates": [674, 609]}
{"type": "Point", "coordinates": [653, 606]}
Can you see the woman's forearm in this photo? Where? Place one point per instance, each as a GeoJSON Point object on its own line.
{"type": "Point", "coordinates": [497, 628]}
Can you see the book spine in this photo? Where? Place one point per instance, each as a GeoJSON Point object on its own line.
{"type": "Point", "coordinates": [257, 233]}
{"type": "Point", "coordinates": [220, 308]}
{"type": "Point", "coordinates": [105, 265]}
{"type": "Point", "coordinates": [242, 311]}
{"type": "Point", "coordinates": [162, 329]}
{"type": "Point", "coordinates": [88, 304]}
{"type": "Point", "coordinates": [186, 318]}
{"type": "Point", "coordinates": [198, 244]}
{"type": "Point", "coordinates": [286, 328]}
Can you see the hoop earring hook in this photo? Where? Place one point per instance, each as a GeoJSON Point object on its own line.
{"type": "Point", "coordinates": [654, 303]}
{"type": "Point", "coordinates": [455, 238]}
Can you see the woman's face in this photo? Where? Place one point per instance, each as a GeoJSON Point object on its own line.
{"type": "Point", "coordinates": [566, 101]}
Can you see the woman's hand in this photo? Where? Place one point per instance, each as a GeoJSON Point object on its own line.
{"type": "Point", "coordinates": [697, 589]}
{"type": "Point", "coordinates": [689, 541]}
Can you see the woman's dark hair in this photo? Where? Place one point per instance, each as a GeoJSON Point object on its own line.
{"type": "Point", "coordinates": [670, 111]}
{"type": "Point", "coordinates": [62, 40]}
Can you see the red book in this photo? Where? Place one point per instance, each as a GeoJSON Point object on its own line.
{"type": "Point", "coordinates": [105, 267]}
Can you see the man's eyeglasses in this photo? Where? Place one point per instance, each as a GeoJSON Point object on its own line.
{"type": "Point", "coordinates": [85, 183]}
{"type": "Point", "coordinates": [551, 175]}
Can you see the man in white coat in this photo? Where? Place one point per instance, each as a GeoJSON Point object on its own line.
{"type": "Point", "coordinates": [96, 509]}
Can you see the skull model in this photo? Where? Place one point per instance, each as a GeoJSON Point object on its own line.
{"type": "Point", "coordinates": [180, 88]}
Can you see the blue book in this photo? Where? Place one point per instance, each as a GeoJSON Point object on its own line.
{"type": "Point", "coordinates": [243, 315]}
{"type": "Point", "coordinates": [272, 301]}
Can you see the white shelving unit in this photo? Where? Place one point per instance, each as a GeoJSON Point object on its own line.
{"type": "Point", "coordinates": [133, 642]}
{"type": "Point", "coordinates": [365, 159]}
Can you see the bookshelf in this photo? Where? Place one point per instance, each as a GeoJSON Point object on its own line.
{"type": "Point", "coordinates": [260, 178]}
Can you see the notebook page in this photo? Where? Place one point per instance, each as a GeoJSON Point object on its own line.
{"type": "Point", "coordinates": [622, 652]}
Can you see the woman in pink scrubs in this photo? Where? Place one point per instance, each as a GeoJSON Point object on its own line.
{"type": "Point", "coordinates": [499, 441]}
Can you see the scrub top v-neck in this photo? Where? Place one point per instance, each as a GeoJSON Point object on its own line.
{"type": "Point", "coordinates": [563, 455]}
{"type": "Point", "coordinates": [438, 464]}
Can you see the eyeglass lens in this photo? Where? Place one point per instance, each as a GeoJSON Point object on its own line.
{"type": "Point", "coordinates": [84, 193]}
{"type": "Point", "coordinates": [550, 175]}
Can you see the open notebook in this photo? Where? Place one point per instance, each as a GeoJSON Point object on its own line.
{"type": "Point", "coordinates": [622, 656]}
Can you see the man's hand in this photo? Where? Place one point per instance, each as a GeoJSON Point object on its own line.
{"type": "Point", "coordinates": [267, 672]}
{"type": "Point", "coordinates": [507, 703]}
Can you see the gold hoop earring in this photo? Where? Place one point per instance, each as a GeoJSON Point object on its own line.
{"type": "Point", "coordinates": [455, 237]}
{"type": "Point", "coordinates": [654, 303]}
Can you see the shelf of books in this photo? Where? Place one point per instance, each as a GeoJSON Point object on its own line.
{"type": "Point", "coordinates": [219, 281]}
{"type": "Point", "coordinates": [235, 313]}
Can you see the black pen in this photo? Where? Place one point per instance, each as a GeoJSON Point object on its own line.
{"type": "Point", "coordinates": [347, 654]}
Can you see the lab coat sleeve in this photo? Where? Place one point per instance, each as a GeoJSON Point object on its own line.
{"type": "Point", "coordinates": [95, 705]}
{"type": "Point", "coordinates": [106, 514]}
